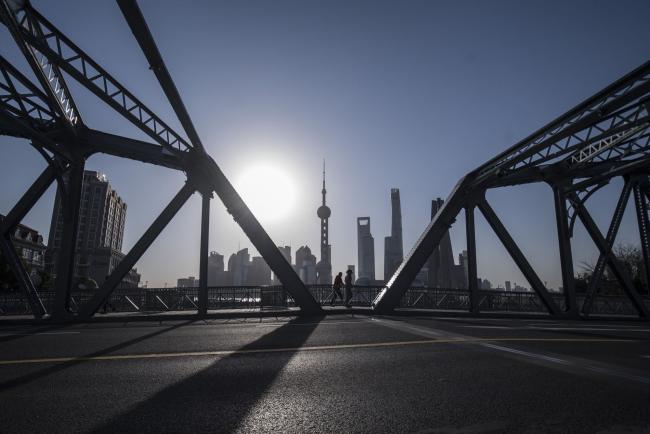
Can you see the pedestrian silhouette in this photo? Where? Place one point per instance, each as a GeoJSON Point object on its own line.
{"type": "Point", "coordinates": [338, 282]}
{"type": "Point", "coordinates": [348, 287]}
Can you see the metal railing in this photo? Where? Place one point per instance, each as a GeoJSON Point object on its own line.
{"type": "Point", "coordinates": [275, 297]}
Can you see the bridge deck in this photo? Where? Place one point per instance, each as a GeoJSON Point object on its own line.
{"type": "Point", "coordinates": [337, 374]}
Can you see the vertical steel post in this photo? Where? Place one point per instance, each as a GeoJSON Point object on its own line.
{"type": "Point", "coordinates": [203, 261]}
{"type": "Point", "coordinates": [472, 273]}
{"type": "Point", "coordinates": [644, 227]}
{"type": "Point", "coordinates": [566, 257]}
{"type": "Point", "coordinates": [66, 254]}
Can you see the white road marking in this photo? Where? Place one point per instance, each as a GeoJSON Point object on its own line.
{"type": "Point", "coordinates": [527, 354]}
{"type": "Point", "coordinates": [575, 364]}
{"type": "Point", "coordinates": [554, 328]}
{"type": "Point", "coordinates": [591, 324]}
{"type": "Point", "coordinates": [593, 329]}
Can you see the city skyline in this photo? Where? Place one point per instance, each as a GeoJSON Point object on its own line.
{"type": "Point", "coordinates": [408, 134]}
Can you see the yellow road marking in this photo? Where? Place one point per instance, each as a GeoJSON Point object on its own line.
{"type": "Point", "coordinates": [296, 349]}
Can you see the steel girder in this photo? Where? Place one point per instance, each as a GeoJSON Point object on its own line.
{"type": "Point", "coordinates": [613, 262]}
{"type": "Point", "coordinates": [50, 120]}
{"type": "Point", "coordinates": [641, 205]}
{"type": "Point", "coordinates": [564, 245]}
{"type": "Point", "coordinates": [8, 225]}
{"type": "Point", "coordinates": [615, 109]}
{"type": "Point", "coordinates": [21, 98]}
{"type": "Point", "coordinates": [140, 30]}
{"type": "Point", "coordinates": [612, 231]}
{"type": "Point", "coordinates": [45, 38]}
{"type": "Point", "coordinates": [14, 16]}
{"type": "Point", "coordinates": [203, 251]}
{"type": "Point", "coordinates": [606, 136]}
{"type": "Point", "coordinates": [137, 251]}
{"type": "Point", "coordinates": [472, 278]}
{"type": "Point", "coordinates": [65, 260]}
{"type": "Point", "coordinates": [518, 256]}
{"type": "Point", "coordinates": [207, 175]}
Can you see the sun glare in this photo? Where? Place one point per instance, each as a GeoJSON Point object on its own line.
{"type": "Point", "coordinates": [268, 191]}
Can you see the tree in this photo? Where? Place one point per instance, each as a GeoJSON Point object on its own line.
{"type": "Point", "coordinates": [630, 257]}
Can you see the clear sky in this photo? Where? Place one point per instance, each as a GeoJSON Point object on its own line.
{"type": "Point", "coordinates": [392, 94]}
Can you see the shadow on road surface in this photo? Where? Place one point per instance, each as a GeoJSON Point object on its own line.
{"type": "Point", "coordinates": [219, 397]}
{"type": "Point", "coordinates": [10, 384]}
{"type": "Point", "coordinates": [12, 333]}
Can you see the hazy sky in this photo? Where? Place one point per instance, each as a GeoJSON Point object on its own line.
{"type": "Point", "coordinates": [392, 94]}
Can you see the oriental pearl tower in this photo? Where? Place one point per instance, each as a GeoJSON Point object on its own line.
{"type": "Point", "coordinates": [324, 267]}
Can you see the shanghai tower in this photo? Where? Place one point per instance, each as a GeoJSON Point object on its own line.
{"type": "Point", "coordinates": [393, 246]}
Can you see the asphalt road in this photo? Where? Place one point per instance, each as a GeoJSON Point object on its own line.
{"type": "Point", "coordinates": [336, 374]}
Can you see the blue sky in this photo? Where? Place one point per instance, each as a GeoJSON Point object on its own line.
{"type": "Point", "coordinates": [392, 94]}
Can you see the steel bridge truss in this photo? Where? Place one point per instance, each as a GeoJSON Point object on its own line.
{"type": "Point", "coordinates": [46, 115]}
{"type": "Point", "coordinates": [604, 137]}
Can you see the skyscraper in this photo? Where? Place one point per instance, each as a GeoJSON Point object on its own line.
{"type": "Point", "coordinates": [238, 267]}
{"type": "Point", "coordinates": [306, 265]}
{"type": "Point", "coordinates": [324, 267]}
{"type": "Point", "coordinates": [216, 271]}
{"type": "Point", "coordinates": [463, 261]}
{"type": "Point", "coordinates": [366, 251]}
{"type": "Point", "coordinates": [393, 245]}
{"type": "Point", "coordinates": [102, 214]}
{"type": "Point", "coordinates": [259, 272]}
{"type": "Point", "coordinates": [286, 252]}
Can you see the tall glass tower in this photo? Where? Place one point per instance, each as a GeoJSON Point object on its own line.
{"type": "Point", "coordinates": [393, 245]}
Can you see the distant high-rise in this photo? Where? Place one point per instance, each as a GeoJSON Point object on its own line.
{"type": "Point", "coordinates": [366, 250]}
{"type": "Point", "coordinates": [216, 271]}
{"type": "Point", "coordinates": [286, 252]}
{"type": "Point", "coordinates": [259, 272]}
{"type": "Point", "coordinates": [393, 245]}
{"type": "Point", "coordinates": [102, 214]}
{"type": "Point", "coordinates": [463, 260]}
{"type": "Point", "coordinates": [238, 267]}
{"type": "Point", "coordinates": [187, 282]}
{"type": "Point", "coordinates": [324, 267]}
{"type": "Point", "coordinates": [306, 265]}
{"type": "Point", "coordinates": [242, 271]}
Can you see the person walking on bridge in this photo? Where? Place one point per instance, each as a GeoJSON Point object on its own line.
{"type": "Point", "coordinates": [348, 287]}
{"type": "Point", "coordinates": [338, 283]}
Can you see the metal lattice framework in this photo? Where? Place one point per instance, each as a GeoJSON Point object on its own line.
{"type": "Point", "coordinates": [47, 116]}
{"type": "Point", "coordinates": [605, 137]}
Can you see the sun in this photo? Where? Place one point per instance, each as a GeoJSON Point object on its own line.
{"type": "Point", "coordinates": [268, 191]}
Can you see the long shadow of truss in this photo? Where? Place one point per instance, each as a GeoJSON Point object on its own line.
{"type": "Point", "coordinates": [28, 378]}
{"type": "Point", "coordinates": [204, 401]}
